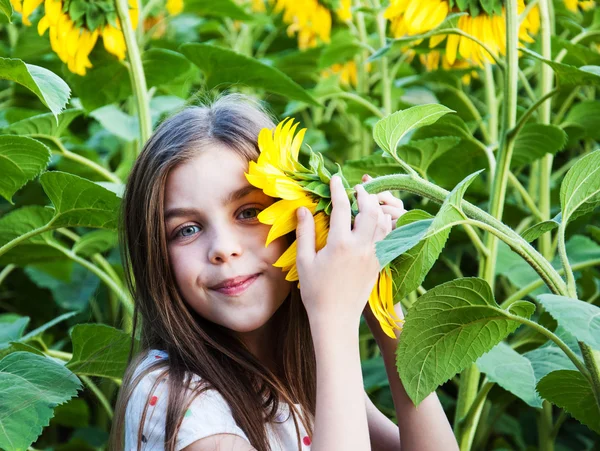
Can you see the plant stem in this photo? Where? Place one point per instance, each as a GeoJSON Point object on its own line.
{"type": "Point", "coordinates": [492, 105]}
{"type": "Point", "coordinates": [94, 388]}
{"type": "Point", "coordinates": [546, 91]}
{"type": "Point", "coordinates": [386, 87]}
{"type": "Point", "coordinates": [358, 99]}
{"type": "Point", "coordinates": [136, 72]}
{"type": "Point", "coordinates": [562, 251]}
{"type": "Point", "coordinates": [525, 195]}
{"type": "Point", "coordinates": [545, 441]}
{"type": "Point", "coordinates": [472, 416]}
{"type": "Point", "coordinates": [6, 271]}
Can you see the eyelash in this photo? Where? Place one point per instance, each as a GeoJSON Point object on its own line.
{"type": "Point", "coordinates": [177, 236]}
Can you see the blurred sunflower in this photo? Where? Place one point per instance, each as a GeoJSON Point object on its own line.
{"type": "Point", "coordinates": [75, 25]}
{"type": "Point", "coordinates": [279, 174]}
{"type": "Point", "coordinates": [574, 5]}
{"type": "Point", "coordinates": [309, 19]}
{"type": "Point", "coordinates": [348, 72]}
{"type": "Point", "coordinates": [412, 17]}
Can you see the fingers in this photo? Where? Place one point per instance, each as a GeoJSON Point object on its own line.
{"type": "Point", "coordinates": [370, 216]}
{"type": "Point", "coordinates": [340, 212]}
{"type": "Point", "coordinates": [385, 197]}
{"type": "Point", "coordinates": [305, 235]}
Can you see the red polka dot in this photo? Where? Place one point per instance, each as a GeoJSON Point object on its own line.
{"type": "Point", "coordinates": [306, 440]}
{"type": "Point", "coordinates": [153, 400]}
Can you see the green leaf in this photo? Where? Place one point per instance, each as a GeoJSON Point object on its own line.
{"type": "Point", "coordinates": [162, 66]}
{"type": "Point", "coordinates": [111, 75]}
{"type": "Point", "coordinates": [568, 75]}
{"type": "Point", "coordinates": [13, 326]}
{"type": "Point", "coordinates": [580, 189]}
{"type": "Point", "coordinates": [95, 242]}
{"type": "Point", "coordinates": [512, 371]}
{"type": "Point", "coordinates": [586, 116]}
{"type": "Point", "coordinates": [571, 391]}
{"type": "Point", "coordinates": [99, 350]}
{"type": "Point", "coordinates": [6, 9]}
{"type": "Point", "coordinates": [390, 130]}
{"type": "Point", "coordinates": [343, 47]}
{"type": "Point", "coordinates": [537, 230]}
{"type": "Point", "coordinates": [374, 374]}
{"type": "Point", "coordinates": [21, 159]}
{"type": "Point", "coordinates": [79, 202]}
{"type": "Point", "coordinates": [45, 124]}
{"type": "Point", "coordinates": [421, 153]}
{"type": "Point", "coordinates": [35, 249]}
{"type": "Point", "coordinates": [579, 318]}
{"type": "Point", "coordinates": [446, 330]}
{"type": "Point", "coordinates": [222, 8]}
{"type": "Point", "coordinates": [406, 237]}
{"type": "Point", "coordinates": [47, 86]}
{"type": "Point", "coordinates": [549, 357]}
{"type": "Point", "coordinates": [536, 140]}
{"type": "Point", "coordinates": [375, 165]}
{"type": "Point", "coordinates": [117, 122]}
{"type": "Point", "coordinates": [224, 66]}
{"type": "Point", "coordinates": [30, 387]}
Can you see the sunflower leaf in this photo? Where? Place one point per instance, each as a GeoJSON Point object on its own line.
{"type": "Point", "coordinates": [446, 330]}
{"type": "Point", "coordinates": [390, 130]}
{"type": "Point", "coordinates": [580, 189]}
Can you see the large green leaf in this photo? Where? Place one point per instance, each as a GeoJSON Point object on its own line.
{"type": "Point", "coordinates": [47, 86]}
{"type": "Point", "coordinates": [99, 350]}
{"type": "Point", "coordinates": [21, 159]}
{"type": "Point", "coordinates": [163, 66]}
{"type": "Point", "coordinates": [389, 131]}
{"type": "Point", "coordinates": [579, 318]}
{"type": "Point", "coordinates": [224, 66]}
{"type": "Point", "coordinates": [549, 357]}
{"type": "Point", "coordinates": [586, 116]}
{"type": "Point", "coordinates": [571, 391]}
{"type": "Point", "coordinates": [421, 153]}
{"type": "Point", "coordinates": [117, 122]}
{"type": "Point", "coordinates": [568, 75]}
{"type": "Point", "coordinates": [580, 189]}
{"type": "Point", "coordinates": [111, 75]}
{"type": "Point", "coordinates": [536, 140]}
{"type": "Point", "coordinates": [79, 202]}
{"type": "Point", "coordinates": [13, 326]}
{"type": "Point", "coordinates": [447, 329]}
{"type": "Point", "coordinates": [222, 8]}
{"type": "Point", "coordinates": [24, 220]}
{"type": "Point", "coordinates": [45, 124]}
{"type": "Point", "coordinates": [512, 371]}
{"type": "Point", "coordinates": [30, 387]}
{"type": "Point", "coordinates": [375, 165]}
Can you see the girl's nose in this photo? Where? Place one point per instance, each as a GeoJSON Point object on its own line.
{"type": "Point", "coordinates": [225, 245]}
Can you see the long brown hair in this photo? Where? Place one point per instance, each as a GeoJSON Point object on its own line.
{"type": "Point", "coordinates": [196, 345]}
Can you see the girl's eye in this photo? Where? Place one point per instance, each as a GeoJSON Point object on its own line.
{"type": "Point", "coordinates": [180, 232]}
{"type": "Point", "coordinates": [250, 213]}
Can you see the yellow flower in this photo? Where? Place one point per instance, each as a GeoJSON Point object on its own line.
{"type": "Point", "coordinates": [174, 7]}
{"type": "Point", "coordinates": [348, 72]}
{"type": "Point", "coordinates": [410, 17]}
{"type": "Point", "coordinates": [574, 5]}
{"type": "Point", "coordinates": [73, 43]}
{"type": "Point", "coordinates": [344, 11]}
{"type": "Point", "coordinates": [279, 174]}
{"type": "Point", "coordinates": [308, 18]}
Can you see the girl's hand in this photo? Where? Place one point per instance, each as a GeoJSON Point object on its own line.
{"type": "Point", "coordinates": [390, 204]}
{"type": "Point", "coordinates": [335, 281]}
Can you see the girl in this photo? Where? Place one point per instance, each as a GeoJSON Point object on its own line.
{"type": "Point", "coordinates": [232, 356]}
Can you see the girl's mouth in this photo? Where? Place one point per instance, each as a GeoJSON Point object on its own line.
{"type": "Point", "coordinates": [237, 288]}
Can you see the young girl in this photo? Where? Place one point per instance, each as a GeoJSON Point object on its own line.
{"type": "Point", "coordinates": [233, 356]}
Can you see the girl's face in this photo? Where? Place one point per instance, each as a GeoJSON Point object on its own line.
{"type": "Point", "coordinates": [213, 235]}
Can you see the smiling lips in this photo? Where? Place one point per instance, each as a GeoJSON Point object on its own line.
{"type": "Point", "coordinates": [235, 286]}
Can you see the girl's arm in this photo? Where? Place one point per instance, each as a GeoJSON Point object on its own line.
{"type": "Point", "coordinates": [423, 428]}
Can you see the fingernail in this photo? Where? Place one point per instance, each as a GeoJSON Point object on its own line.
{"type": "Point", "coordinates": [300, 212]}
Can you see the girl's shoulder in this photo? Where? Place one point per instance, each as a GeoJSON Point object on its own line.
{"type": "Point", "coordinates": [207, 414]}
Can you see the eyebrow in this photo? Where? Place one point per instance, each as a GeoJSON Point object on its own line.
{"type": "Point", "coordinates": [232, 197]}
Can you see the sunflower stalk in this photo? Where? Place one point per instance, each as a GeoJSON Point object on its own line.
{"type": "Point", "coordinates": [136, 72]}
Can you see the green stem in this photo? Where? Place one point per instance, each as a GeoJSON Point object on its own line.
{"type": "Point", "coordinates": [562, 251]}
{"type": "Point", "coordinates": [65, 356]}
{"type": "Point", "coordinates": [539, 103]}
{"type": "Point", "coordinates": [119, 291]}
{"type": "Point", "coordinates": [78, 158]}
{"type": "Point", "coordinates": [492, 105]}
{"type": "Point", "coordinates": [506, 143]}
{"type": "Point", "coordinates": [136, 72]}
{"type": "Point", "coordinates": [518, 295]}
{"type": "Point", "coordinates": [6, 271]}
{"type": "Point", "coordinates": [545, 441]}
{"type": "Point", "coordinates": [426, 189]}
{"type": "Point", "coordinates": [469, 421]}
{"type": "Point", "coordinates": [525, 195]}
{"type": "Point", "coordinates": [479, 246]}
{"type": "Point", "coordinates": [559, 422]}
{"type": "Point", "coordinates": [581, 36]}
{"type": "Point", "coordinates": [467, 393]}
{"type": "Point", "coordinates": [356, 98]}
{"type": "Point", "coordinates": [386, 87]}
{"type": "Point", "coordinates": [546, 91]}
{"type": "Point", "coordinates": [94, 388]}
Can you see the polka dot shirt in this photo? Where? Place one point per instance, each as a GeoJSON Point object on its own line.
{"type": "Point", "coordinates": [208, 414]}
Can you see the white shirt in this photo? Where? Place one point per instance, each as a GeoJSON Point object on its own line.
{"type": "Point", "coordinates": [208, 414]}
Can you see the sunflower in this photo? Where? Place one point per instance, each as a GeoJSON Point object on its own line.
{"type": "Point", "coordinates": [73, 39]}
{"type": "Point", "coordinates": [413, 17]}
{"type": "Point", "coordinates": [347, 71]}
{"type": "Point", "coordinates": [279, 174]}
{"type": "Point", "coordinates": [574, 5]}
{"type": "Point", "coordinates": [309, 19]}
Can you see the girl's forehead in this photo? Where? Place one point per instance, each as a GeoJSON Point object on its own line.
{"type": "Point", "coordinates": [214, 172]}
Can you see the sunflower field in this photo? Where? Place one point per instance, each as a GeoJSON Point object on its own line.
{"type": "Point", "coordinates": [481, 115]}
